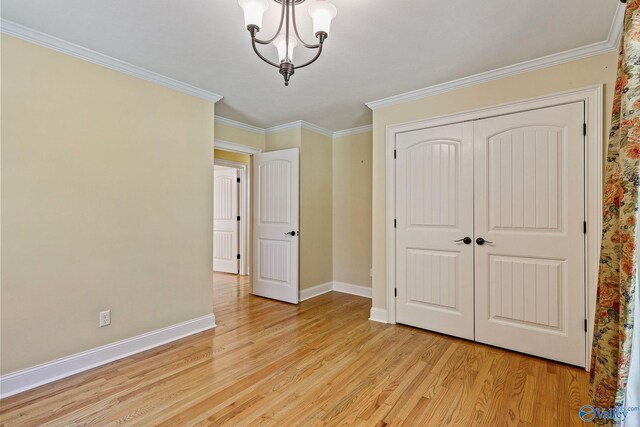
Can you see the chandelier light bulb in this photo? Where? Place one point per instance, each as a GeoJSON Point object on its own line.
{"type": "Point", "coordinates": [281, 44]}
{"type": "Point", "coordinates": [322, 12]}
{"type": "Point", "coordinates": [253, 11]}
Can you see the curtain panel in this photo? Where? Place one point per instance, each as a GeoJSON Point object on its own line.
{"type": "Point", "coordinates": [618, 274]}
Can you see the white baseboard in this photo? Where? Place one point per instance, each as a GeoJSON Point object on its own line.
{"type": "Point", "coordinates": [348, 288]}
{"type": "Point", "coordinates": [345, 288]}
{"type": "Point", "coordinates": [25, 379]}
{"type": "Point", "coordinates": [378, 315]}
{"type": "Point", "coordinates": [309, 293]}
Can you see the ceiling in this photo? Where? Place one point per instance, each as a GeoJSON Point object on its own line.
{"type": "Point", "coordinates": [376, 48]}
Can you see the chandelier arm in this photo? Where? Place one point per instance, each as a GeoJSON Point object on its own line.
{"type": "Point", "coordinates": [286, 34]}
{"type": "Point", "coordinates": [277, 32]}
{"type": "Point", "coordinates": [295, 29]}
{"type": "Point", "coordinates": [255, 49]}
{"type": "Point", "coordinates": [314, 58]}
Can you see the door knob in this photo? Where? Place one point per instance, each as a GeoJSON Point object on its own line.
{"type": "Point", "coordinates": [290, 233]}
{"type": "Point", "coordinates": [466, 240]}
{"type": "Point", "coordinates": [481, 241]}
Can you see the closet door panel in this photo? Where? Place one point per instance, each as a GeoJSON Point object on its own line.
{"type": "Point", "coordinates": [529, 207]}
{"type": "Point", "coordinates": [434, 208]}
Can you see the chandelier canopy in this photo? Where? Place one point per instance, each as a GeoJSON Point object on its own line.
{"type": "Point", "coordinates": [287, 36]}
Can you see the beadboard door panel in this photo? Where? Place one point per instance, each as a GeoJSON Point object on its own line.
{"type": "Point", "coordinates": [276, 224]}
{"type": "Point", "coordinates": [225, 220]}
{"type": "Point", "coordinates": [529, 203]}
{"type": "Point", "coordinates": [434, 206]}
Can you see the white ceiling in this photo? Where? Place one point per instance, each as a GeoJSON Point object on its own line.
{"type": "Point", "coordinates": [376, 48]}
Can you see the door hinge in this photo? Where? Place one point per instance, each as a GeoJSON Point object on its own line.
{"type": "Point", "coordinates": [395, 292]}
{"type": "Point", "coordinates": [238, 180]}
{"type": "Point", "coordinates": [238, 256]}
{"type": "Point", "coordinates": [395, 223]}
{"type": "Point", "coordinates": [238, 217]}
{"type": "Point", "coordinates": [584, 129]}
{"type": "Point", "coordinates": [584, 227]}
{"type": "Point", "coordinates": [395, 153]}
{"type": "Point", "coordinates": [586, 324]}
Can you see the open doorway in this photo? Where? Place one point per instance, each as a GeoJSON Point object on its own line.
{"type": "Point", "coordinates": [231, 213]}
{"type": "Point", "coordinates": [275, 233]}
{"type": "Point", "coordinates": [231, 226]}
{"type": "Point", "coordinates": [226, 220]}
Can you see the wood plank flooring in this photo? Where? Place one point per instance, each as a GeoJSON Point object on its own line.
{"type": "Point", "coordinates": [321, 363]}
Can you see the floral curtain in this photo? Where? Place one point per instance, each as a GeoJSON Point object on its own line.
{"type": "Point", "coordinates": [618, 276]}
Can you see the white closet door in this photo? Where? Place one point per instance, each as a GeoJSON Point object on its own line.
{"type": "Point", "coordinates": [434, 210]}
{"type": "Point", "coordinates": [276, 218]}
{"type": "Point", "coordinates": [225, 220]}
{"type": "Point", "coordinates": [529, 203]}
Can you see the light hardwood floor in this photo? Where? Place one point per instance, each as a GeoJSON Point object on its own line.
{"type": "Point", "coordinates": [319, 363]}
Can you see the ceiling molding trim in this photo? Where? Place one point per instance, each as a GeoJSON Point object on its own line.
{"type": "Point", "coordinates": [615, 32]}
{"type": "Point", "coordinates": [284, 127]}
{"type": "Point", "coordinates": [221, 144]}
{"type": "Point", "coordinates": [353, 131]}
{"type": "Point", "coordinates": [316, 129]}
{"type": "Point", "coordinates": [605, 46]}
{"type": "Point", "coordinates": [28, 34]}
{"type": "Point", "coordinates": [239, 125]}
{"type": "Point", "coordinates": [297, 125]}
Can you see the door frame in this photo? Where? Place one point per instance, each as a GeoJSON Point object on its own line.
{"type": "Point", "coordinates": [592, 96]}
{"type": "Point", "coordinates": [243, 210]}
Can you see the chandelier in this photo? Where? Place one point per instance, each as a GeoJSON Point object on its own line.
{"type": "Point", "coordinates": [287, 36]}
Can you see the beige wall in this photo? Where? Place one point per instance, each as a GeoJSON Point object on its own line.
{"type": "Point", "coordinates": [106, 204]}
{"type": "Point", "coordinates": [316, 202]}
{"type": "Point", "coordinates": [594, 70]}
{"type": "Point", "coordinates": [316, 206]}
{"type": "Point", "coordinates": [231, 156]}
{"type": "Point", "coordinates": [240, 136]}
{"type": "Point", "coordinates": [283, 140]}
{"type": "Point", "coordinates": [352, 157]}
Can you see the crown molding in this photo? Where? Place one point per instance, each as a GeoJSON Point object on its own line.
{"type": "Point", "coordinates": [284, 127]}
{"type": "Point", "coordinates": [615, 31]}
{"type": "Point", "coordinates": [297, 125]}
{"type": "Point", "coordinates": [605, 46]}
{"type": "Point", "coordinates": [28, 34]}
{"type": "Point", "coordinates": [300, 124]}
{"type": "Point", "coordinates": [316, 129]}
{"type": "Point", "coordinates": [353, 131]}
{"type": "Point", "coordinates": [239, 125]}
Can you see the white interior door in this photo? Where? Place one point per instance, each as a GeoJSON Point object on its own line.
{"type": "Point", "coordinates": [434, 210]}
{"type": "Point", "coordinates": [276, 224]}
{"type": "Point", "coordinates": [529, 203]}
{"type": "Point", "coordinates": [225, 220]}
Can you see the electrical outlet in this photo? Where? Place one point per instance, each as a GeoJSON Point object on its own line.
{"type": "Point", "coordinates": [105, 318]}
{"type": "Point", "coordinates": [371, 272]}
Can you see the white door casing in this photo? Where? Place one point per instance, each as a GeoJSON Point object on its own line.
{"type": "Point", "coordinates": [434, 212]}
{"type": "Point", "coordinates": [276, 224]}
{"type": "Point", "coordinates": [225, 220]}
{"type": "Point", "coordinates": [530, 203]}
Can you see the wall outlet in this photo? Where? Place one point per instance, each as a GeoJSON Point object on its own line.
{"type": "Point", "coordinates": [105, 318]}
{"type": "Point", "coordinates": [371, 272]}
